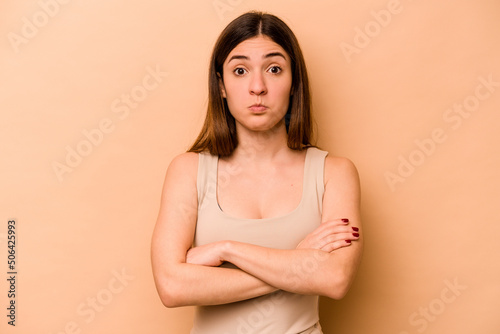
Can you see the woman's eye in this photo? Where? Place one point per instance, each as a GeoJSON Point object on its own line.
{"type": "Point", "coordinates": [239, 71]}
{"type": "Point", "coordinates": [275, 69]}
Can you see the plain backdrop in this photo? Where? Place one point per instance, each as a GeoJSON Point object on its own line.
{"type": "Point", "coordinates": [97, 97]}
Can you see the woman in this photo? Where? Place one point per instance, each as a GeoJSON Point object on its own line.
{"type": "Point", "coordinates": [255, 223]}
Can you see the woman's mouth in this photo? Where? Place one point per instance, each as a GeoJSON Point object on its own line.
{"type": "Point", "coordinates": [257, 107]}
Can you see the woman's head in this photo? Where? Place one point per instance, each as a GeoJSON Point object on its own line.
{"type": "Point", "coordinates": [219, 130]}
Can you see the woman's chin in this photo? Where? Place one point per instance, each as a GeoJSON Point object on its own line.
{"type": "Point", "coordinates": [261, 128]}
{"type": "Point", "coordinates": [261, 125]}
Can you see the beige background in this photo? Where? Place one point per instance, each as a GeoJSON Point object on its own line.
{"type": "Point", "coordinates": [431, 220]}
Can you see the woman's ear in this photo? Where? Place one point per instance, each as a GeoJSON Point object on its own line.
{"type": "Point", "coordinates": [221, 85]}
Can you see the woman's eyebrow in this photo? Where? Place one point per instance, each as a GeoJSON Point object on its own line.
{"type": "Point", "coordinates": [269, 55]}
{"type": "Point", "coordinates": [274, 54]}
{"type": "Point", "coordinates": [238, 57]}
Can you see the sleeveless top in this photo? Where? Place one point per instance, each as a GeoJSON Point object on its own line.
{"type": "Point", "coordinates": [280, 312]}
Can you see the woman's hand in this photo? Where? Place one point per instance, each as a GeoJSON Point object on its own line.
{"type": "Point", "coordinates": [206, 255]}
{"type": "Point", "coordinates": [330, 235]}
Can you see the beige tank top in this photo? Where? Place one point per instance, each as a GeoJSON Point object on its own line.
{"type": "Point", "coordinates": [280, 312]}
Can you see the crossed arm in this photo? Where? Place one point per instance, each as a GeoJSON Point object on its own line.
{"type": "Point", "coordinates": [324, 263]}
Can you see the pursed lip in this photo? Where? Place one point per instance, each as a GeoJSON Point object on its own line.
{"type": "Point", "coordinates": [257, 107]}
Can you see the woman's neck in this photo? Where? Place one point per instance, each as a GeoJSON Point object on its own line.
{"type": "Point", "coordinates": [263, 146]}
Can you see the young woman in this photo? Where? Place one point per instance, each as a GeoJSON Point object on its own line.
{"type": "Point", "coordinates": [255, 222]}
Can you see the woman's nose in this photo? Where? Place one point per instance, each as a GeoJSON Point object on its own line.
{"type": "Point", "coordinates": [257, 84]}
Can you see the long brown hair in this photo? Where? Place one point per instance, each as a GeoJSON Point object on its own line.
{"type": "Point", "coordinates": [218, 134]}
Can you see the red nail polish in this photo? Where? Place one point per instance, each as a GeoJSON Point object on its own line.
{"type": "Point", "coordinates": [348, 241]}
{"type": "Point", "coordinates": [355, 229]}
{"type": "Point", "coordinates": [356, 234]}
{"type": "Point", "coordinates": [345, 220]}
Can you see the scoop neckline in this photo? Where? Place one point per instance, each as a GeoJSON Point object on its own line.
{"type": "Point", "coordinates": [220, 211]}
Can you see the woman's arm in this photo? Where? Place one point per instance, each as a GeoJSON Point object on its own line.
{"type": "Point", "coordinates": [180, 283]}
{"type": "Point", "coordinates": [305, 271]}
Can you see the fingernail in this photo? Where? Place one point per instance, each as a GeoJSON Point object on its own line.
{"type": "Point", "coordinates": [356, 234]}
{"type": "Point", "coordinates": [345, 220]}
{"type": "Point", "coordinates": [348, 241]}
{"type": "Point", "coordinates": [355, 229]}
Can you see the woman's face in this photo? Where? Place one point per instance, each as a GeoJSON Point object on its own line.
{"type": "Point", "coordinates": [256, 83]}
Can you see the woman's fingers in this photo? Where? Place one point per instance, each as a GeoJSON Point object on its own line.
{"type": "Point", "coordinates": [339, 240]}
{"type": "Point", "coordinates": [336, 245]}
{"type": "Point", "coordinates": [331, 235]}
{"type": "Point", "coordinates": [338, 221]}
{"type": "Point", "coordinates": [329, 230]}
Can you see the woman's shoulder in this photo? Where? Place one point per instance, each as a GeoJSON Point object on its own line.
{"type": "Point", "coordinates": [331, 161]}
{"type": "Point", "coordinates": [184, 164]}
{"type": "Point", "coordinates": [185, 159]}
{"type": "Point", "coordinates": [339, 168]}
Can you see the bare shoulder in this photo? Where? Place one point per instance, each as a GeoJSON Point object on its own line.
{"type": "Point", "coordinates": [184, 163]}
{"type": "Point", "coordinates": [183, 169]}
{"type": "Point", "coordinates": [341, 171]}
{"type": "Point", "coordinates": [186, 159]}
{"type": "Point", "coordinates": [339, 167]}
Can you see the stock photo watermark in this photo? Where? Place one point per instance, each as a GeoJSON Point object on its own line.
{"type": "Point", "coordinates": [223, 6]}
{"type": "Point", "coordinates": [121, 106]}
{"type": "Point", "coordinates": [453, 117]}
{"type": "Point", "coordinates": [12, 272]}
{"type": "Point", "coordinates": [364, 35]}
{"type": "Point", "coordinates": [264, 308]}
{"type": "Point", "coordinates": [309, 265]}
{"type": "Point", "coordinates": [31, 26]}
{"type": "Point", "coordinates": [87, 310]}
{"type": "Point", "coordinates": [425, 315]}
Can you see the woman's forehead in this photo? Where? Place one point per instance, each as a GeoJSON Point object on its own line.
{"type": "Point", "coordinates": [257, 47]}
